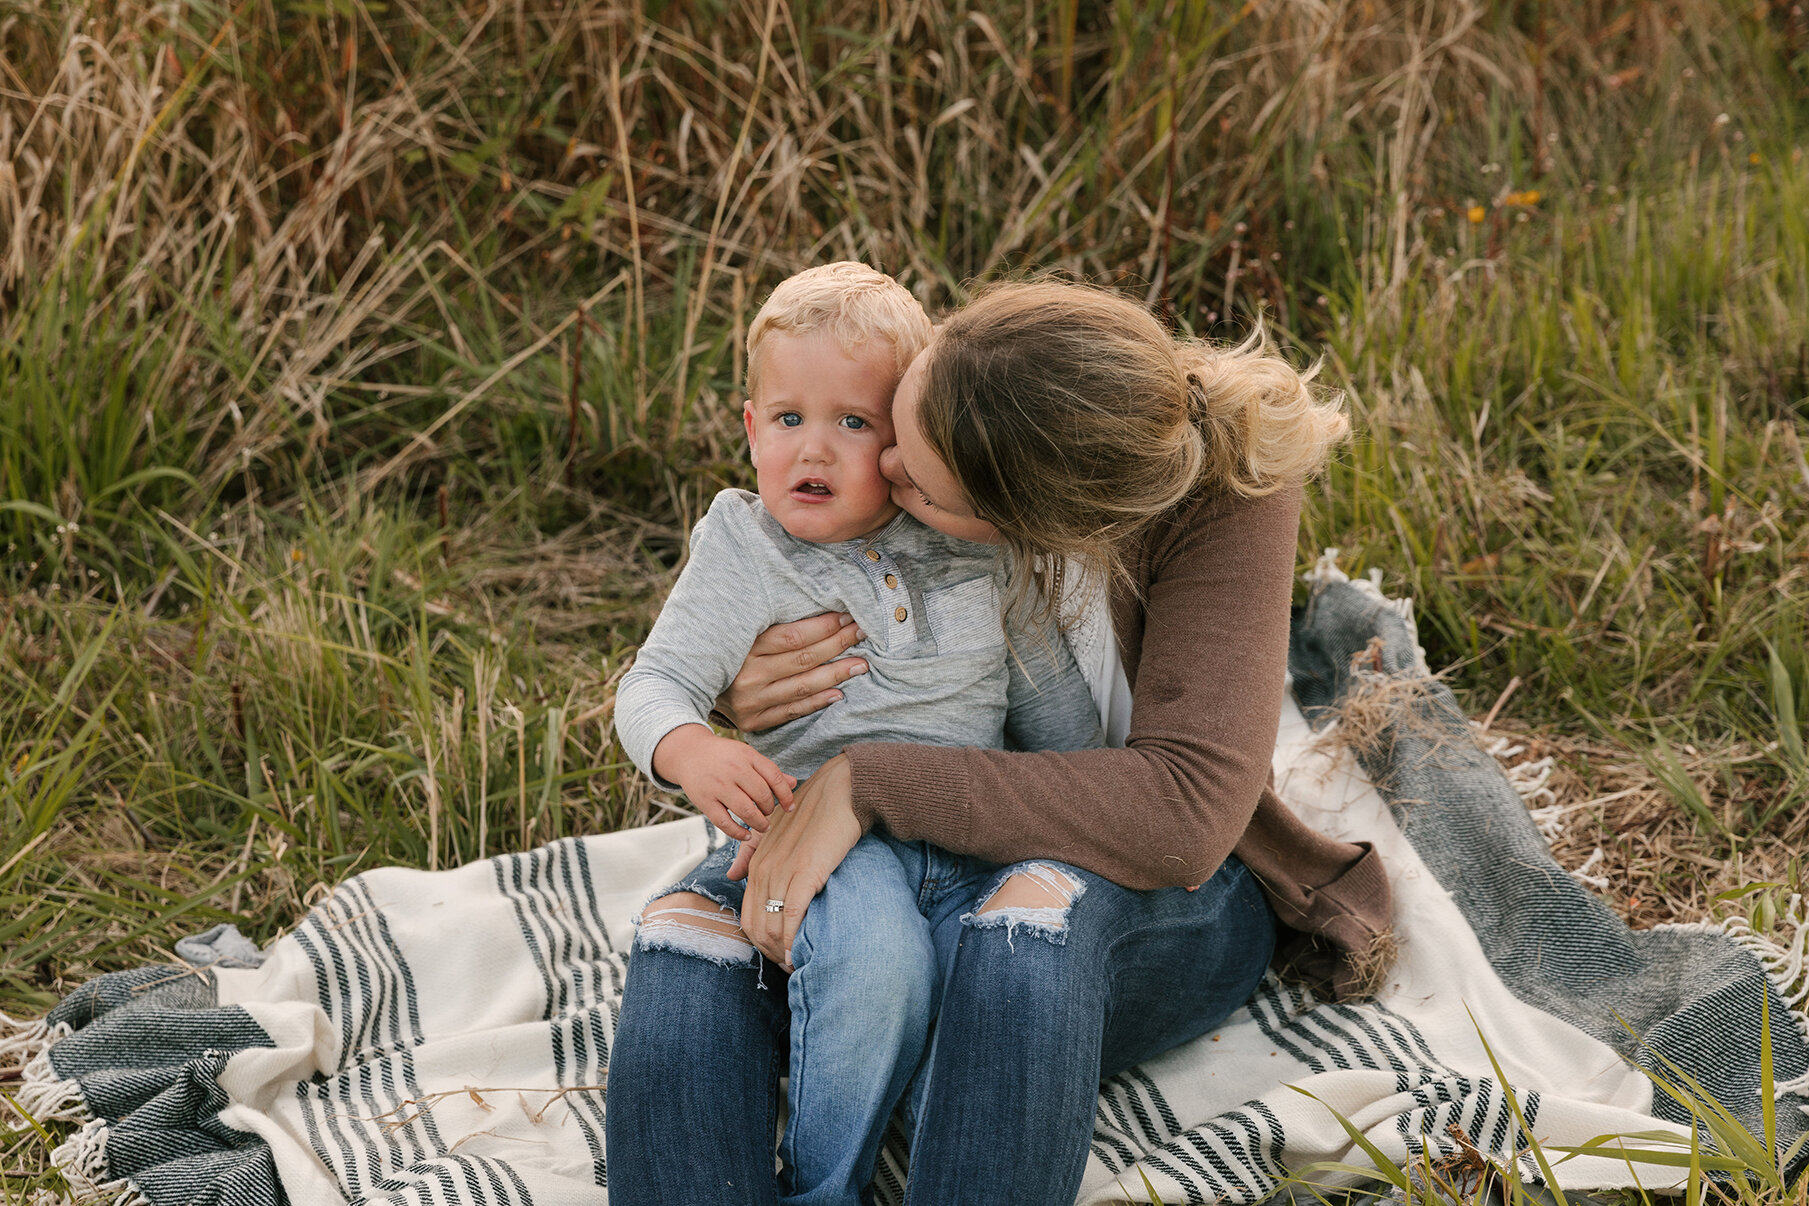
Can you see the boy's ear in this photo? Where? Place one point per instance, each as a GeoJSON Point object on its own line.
{"type": "Point", "coordinates": [747, 421]}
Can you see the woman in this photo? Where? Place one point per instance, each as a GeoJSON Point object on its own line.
{"type": "Point", "coordinates": [1066, 423]}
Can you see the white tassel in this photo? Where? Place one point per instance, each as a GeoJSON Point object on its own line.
{"type": "Point", "coordinates": [1582, 874]}
{"type": "Point", "coordinates": [1786, 965]}
{"type": "Point", "coordinates": [1530, 779]}
{"type": "Point", "coordinates": [1325, 571]}
{"type": "Point", "coordinates": [44, 1095]}
{"type": "Point", "coordinates": [20, 1042]}
{"type": "Point", "coordinates": [82, 1159]}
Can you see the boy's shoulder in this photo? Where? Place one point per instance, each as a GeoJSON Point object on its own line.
{"type": "Point", "coordinates": [738, 525]}
{"type": "Point", "coordinates": [732, 508]}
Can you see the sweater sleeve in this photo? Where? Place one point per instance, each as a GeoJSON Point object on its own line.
{"type": "Point", "coordinates": [698, 642]}
{"type": "Point", "coordinates": [1207, 683]}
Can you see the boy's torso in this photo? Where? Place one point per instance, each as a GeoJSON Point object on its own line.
{"type": "Point", "coordinates": [934, 640]}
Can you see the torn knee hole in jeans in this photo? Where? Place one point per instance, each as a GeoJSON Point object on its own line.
{"type": "Point", "coordinates": [713, 934]}
{"type": "Point", "coordinates": [1037, 898]}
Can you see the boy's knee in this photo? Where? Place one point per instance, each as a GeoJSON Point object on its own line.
{"type": "Point", "coordinates": [886, 969]}
{"type": "Point", "coordinates": [689, 924]}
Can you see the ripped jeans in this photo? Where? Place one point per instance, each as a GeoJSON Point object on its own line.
{"type": "Point", "coordinates": [1034, 1008]}
{"type": "Point", "coordinates": [868, 973]}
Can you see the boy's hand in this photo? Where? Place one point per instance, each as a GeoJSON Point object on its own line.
{"type": "Point", "coordinates": [727, 781]}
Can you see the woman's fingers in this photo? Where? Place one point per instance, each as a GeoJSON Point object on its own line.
{"type": "Point", "coordinates": [743, 856]}
{"type": "Point", "coordinates": [792, 709]}
{"type": "Point", "coordinates": [803, 691]}
{"type": "Point", "coordinates": [761, 927]}
{"type": "Point", "coordinates": [795, 859]}
{"type": "Point", "coordinates": [846, 635]}
{"type": "Point", "coordinates": [799, 892]}
{"type": "Point", "coordinates": [798, 635]}
{"type": "Point", "coordinates": [791, 671]}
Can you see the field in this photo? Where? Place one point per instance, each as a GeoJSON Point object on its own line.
{"type": "Point", "coordinates": [363, 365]}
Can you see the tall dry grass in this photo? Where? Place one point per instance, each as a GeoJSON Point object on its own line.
{"type": "Point", "coordinates": [359, 237]}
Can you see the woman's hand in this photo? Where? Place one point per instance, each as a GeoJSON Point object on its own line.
{"type": "Point", "coordinates": [791, 671]}
{"type": "Point", "coordinates": [792, 861]}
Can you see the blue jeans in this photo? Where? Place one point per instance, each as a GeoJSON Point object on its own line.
{"type": "Point", "coordinates": [861, 997]}
{"type": "Point", "coordinates": [1036, 1006]}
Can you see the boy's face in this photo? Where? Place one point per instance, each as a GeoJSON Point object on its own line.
{"type": "Point", "coordinates": [816, 431]}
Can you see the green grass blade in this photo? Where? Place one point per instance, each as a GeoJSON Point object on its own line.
{"type": "Point", "coordinates": [1513, 1100]}
{"type": "Point", "coordinates": [1768, 1104]}
{"type": "Point", "coordinates": [1394, 1173]}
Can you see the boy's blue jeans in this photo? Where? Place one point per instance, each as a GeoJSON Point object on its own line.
{"type": "Point", "coordinates": [1032, 1008]}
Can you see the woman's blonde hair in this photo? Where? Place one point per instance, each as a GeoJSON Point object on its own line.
{"type": "Point", "coordinates": [851, 301]}
{"type": "Point", "coordinates": [1072, 419]}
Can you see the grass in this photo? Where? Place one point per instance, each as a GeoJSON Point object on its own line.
{"type": "Point", "coordinates": [363, 365]}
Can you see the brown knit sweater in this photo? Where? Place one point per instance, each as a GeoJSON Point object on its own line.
{"type": "Point", "coordinates": [1205, 649]}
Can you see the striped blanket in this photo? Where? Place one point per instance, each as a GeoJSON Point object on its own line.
{"type": "Point", "coordinates": [444, 1037]}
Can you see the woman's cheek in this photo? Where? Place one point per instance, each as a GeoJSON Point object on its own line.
{"type": "Point", "coordinates": [912, 504]}
{"type": "Point", "coordinates": [960, 527]}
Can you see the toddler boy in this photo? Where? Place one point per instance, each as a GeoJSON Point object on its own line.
{"type": "Point", "coordinates": [823, 534]}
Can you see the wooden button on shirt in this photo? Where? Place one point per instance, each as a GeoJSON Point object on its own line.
{"type": "Point", "coordinates": [891, 581]}
{"type": "Point", "coordinates": [873, 554]}
{"type": "Point", "coordinates": [900, 615]}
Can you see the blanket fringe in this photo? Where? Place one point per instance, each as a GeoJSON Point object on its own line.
{"type": "Point", "coordinates": [1325, 572]}
{"type": "Point", "coordinates": [1530, 779]}
{"type": "Point", "coordinates": [82, 1159]}
{"type": "Point", "coordinates": [46, 1096]}
{"type": "Point", "coordinates": [20, 1041]}
{"type": "Point", "coordinates": [42, 1094]}
{"type": "Point", "coordinates": [1786, 965]}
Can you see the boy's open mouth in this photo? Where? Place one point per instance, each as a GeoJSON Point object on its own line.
{"type": "Point", "coordinates": [812, 487]}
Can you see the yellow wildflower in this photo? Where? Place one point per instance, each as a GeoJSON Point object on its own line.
{"type": "Point", "coordinates": [1477, 214]}
{"type": "Point", "coordinates": [1529, 197]}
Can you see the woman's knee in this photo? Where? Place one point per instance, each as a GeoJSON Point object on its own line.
{"type": "Point", "coordinates": [688, 923]}
{"type": "Point", "coordinates": [1028, 952]}
{"type": "Point", "coordinates": [1037, 898]}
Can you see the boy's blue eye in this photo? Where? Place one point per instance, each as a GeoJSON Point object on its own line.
{"type": "Point", "coordinates": [853, 422]}
{"type": "Point", "coordinates": [791, 418]}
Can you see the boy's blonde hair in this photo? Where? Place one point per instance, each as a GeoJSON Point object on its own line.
{"type": "Point", "coordinates": [1072, 419]}
{"type": "Point", "coordinates": [851, 301]}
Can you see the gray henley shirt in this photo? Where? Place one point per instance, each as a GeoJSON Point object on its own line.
{"type": "Point", "coordinates": [940, 670]}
